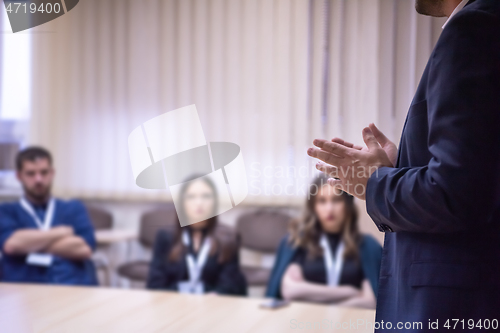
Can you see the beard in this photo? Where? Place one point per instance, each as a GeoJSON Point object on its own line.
{"type": "Point", "coordinates": [39, 192]}
{"type": "Point", "coordinates": [430, 7]}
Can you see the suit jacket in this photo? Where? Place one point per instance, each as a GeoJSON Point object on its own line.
{"type": "Point", "coordinates": [440, 206]}
{"type": "Point", "coordinates": [370, 251]}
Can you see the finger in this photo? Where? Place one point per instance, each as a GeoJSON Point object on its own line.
{"type": "Point", "coordinates": [338, 184]}
{"type": "Point", "coordinates": [341, 141]}
{"type": "Point", "coordinates": [381, 138]}
{"type": "Point", "coordinates": [357, 147]}
{"type": "Point", "coordinates": [325, 156]}
{"type": "Point", "coordinates": [369, 138]}
{"type": "Point", "coordinates": [347, 144]}
{"type": "Point", "coordinates": [335, 182]}
{"type": "Point", "coordinates": [334, 148]}
{"type": "Point", "coordinates": [341, 186]}
{"type": "Point", "coordinates": [329, 170]}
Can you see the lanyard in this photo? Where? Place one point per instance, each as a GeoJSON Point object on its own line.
{"type": "Point", "coordinates": [45, 225]}
{"type": "Point", "coordinates": [333, 266]}
{"type": "Point", "coordinates": [195, 266]}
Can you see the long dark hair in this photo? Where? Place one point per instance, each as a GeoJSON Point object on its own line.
{"type": "Point", "coordinates": [220, 242]}
{"type": "Point", "coordinates": [305, 232]}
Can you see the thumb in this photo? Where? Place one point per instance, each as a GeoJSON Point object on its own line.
{"type": "Point", "coordinates": [381, 138]}
{"type": "Point", "coordinates": [370, 140]}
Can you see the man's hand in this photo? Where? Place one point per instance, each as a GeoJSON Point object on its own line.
{"type": "Point", "coordinates": [63, 230]}
{"type": "Point", "coordinates": [352, 165]}
{"type": "Point", "coordinates": [386, 144]}
{"type": "Point", "coordinates": [70, 247]}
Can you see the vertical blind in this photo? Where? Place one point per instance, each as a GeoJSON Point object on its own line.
{"type": "Point", "coordinates": [269, 75]}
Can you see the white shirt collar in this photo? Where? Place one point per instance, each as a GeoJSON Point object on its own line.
{"type": "Point", "coordinates": [456, 10]}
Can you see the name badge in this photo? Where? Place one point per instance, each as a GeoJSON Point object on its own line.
{"type": "Point", "coordinates": [39, 259]}
{"type": "Point", "coordinates": [187, 287]}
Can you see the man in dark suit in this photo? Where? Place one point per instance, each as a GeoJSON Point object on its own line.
{"type": "Point", "coordinates": [437, 197]}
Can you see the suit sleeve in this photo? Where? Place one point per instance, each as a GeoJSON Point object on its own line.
{"type": "Point", "coordinates": [459, 189]}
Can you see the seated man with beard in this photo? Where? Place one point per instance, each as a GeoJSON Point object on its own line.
{"type": "Point", "coordinates": [44, 239]}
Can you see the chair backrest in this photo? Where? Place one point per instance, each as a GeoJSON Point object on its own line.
{"type": "Point", "coordinates": [153, 221]}
{"type": "Point", "coordinates": [101, 218]}
{"type": "Point", "coordinates": [228, 236]}
{"type": "Point", "coordinates": [225, 231]}
{"type": "Point", "coordinates": [262, 230]}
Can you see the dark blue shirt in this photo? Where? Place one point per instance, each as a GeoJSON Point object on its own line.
{"type": "Point", "coordinates": [62, 271]}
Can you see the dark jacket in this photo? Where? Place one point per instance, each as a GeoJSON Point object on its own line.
{"type": "Point", "coordinates": [223, 278]}
{"type": "Point", "coordinates": [440, 206]}
{"type": "Point", "coordinates": [370, 252]}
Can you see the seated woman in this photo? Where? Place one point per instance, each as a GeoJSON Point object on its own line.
{"type": "Point", "coordinates": [325, 258]}
{"type": "Point", "coordinates": [196, 259]}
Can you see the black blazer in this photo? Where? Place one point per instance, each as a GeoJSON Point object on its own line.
{"type": "Point", "coordinates": [223, 278]}
{"type": "Point", "coordinates": [440, 206]}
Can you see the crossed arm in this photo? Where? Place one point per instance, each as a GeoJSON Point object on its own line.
{"type": "Point", "coordinates": [294, 287]}
{"type": "Point", "coordinates": [60, 241]}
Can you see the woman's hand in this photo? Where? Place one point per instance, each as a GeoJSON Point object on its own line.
{"type": "Point", "coordinates": [290, 283]}
{"type": "Point", "coordinates": [295, 287]}
{"type": "Point", "coordinates": [365, 299]}
{"type": "Point", "coordinates": [295, 273]}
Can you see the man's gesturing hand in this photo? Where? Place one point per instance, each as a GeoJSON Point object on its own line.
{"type": "Point", "coordinates": [387, 145]}
{"type": "Point", "coordinates": [352, 165]}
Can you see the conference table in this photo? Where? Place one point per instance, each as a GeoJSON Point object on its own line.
{"type": "Point", "coordinates": [58, 309]}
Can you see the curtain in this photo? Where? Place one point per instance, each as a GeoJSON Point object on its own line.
{"type": "Point", "coordinates": [269, 75]}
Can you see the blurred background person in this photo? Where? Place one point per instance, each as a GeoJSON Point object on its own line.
{"type": "Point", "coordinates": [44, 239]}
{"type": "Point", "coordinates": [325, 258]}
{"type": "Point", "coordinates": [197, 258]}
